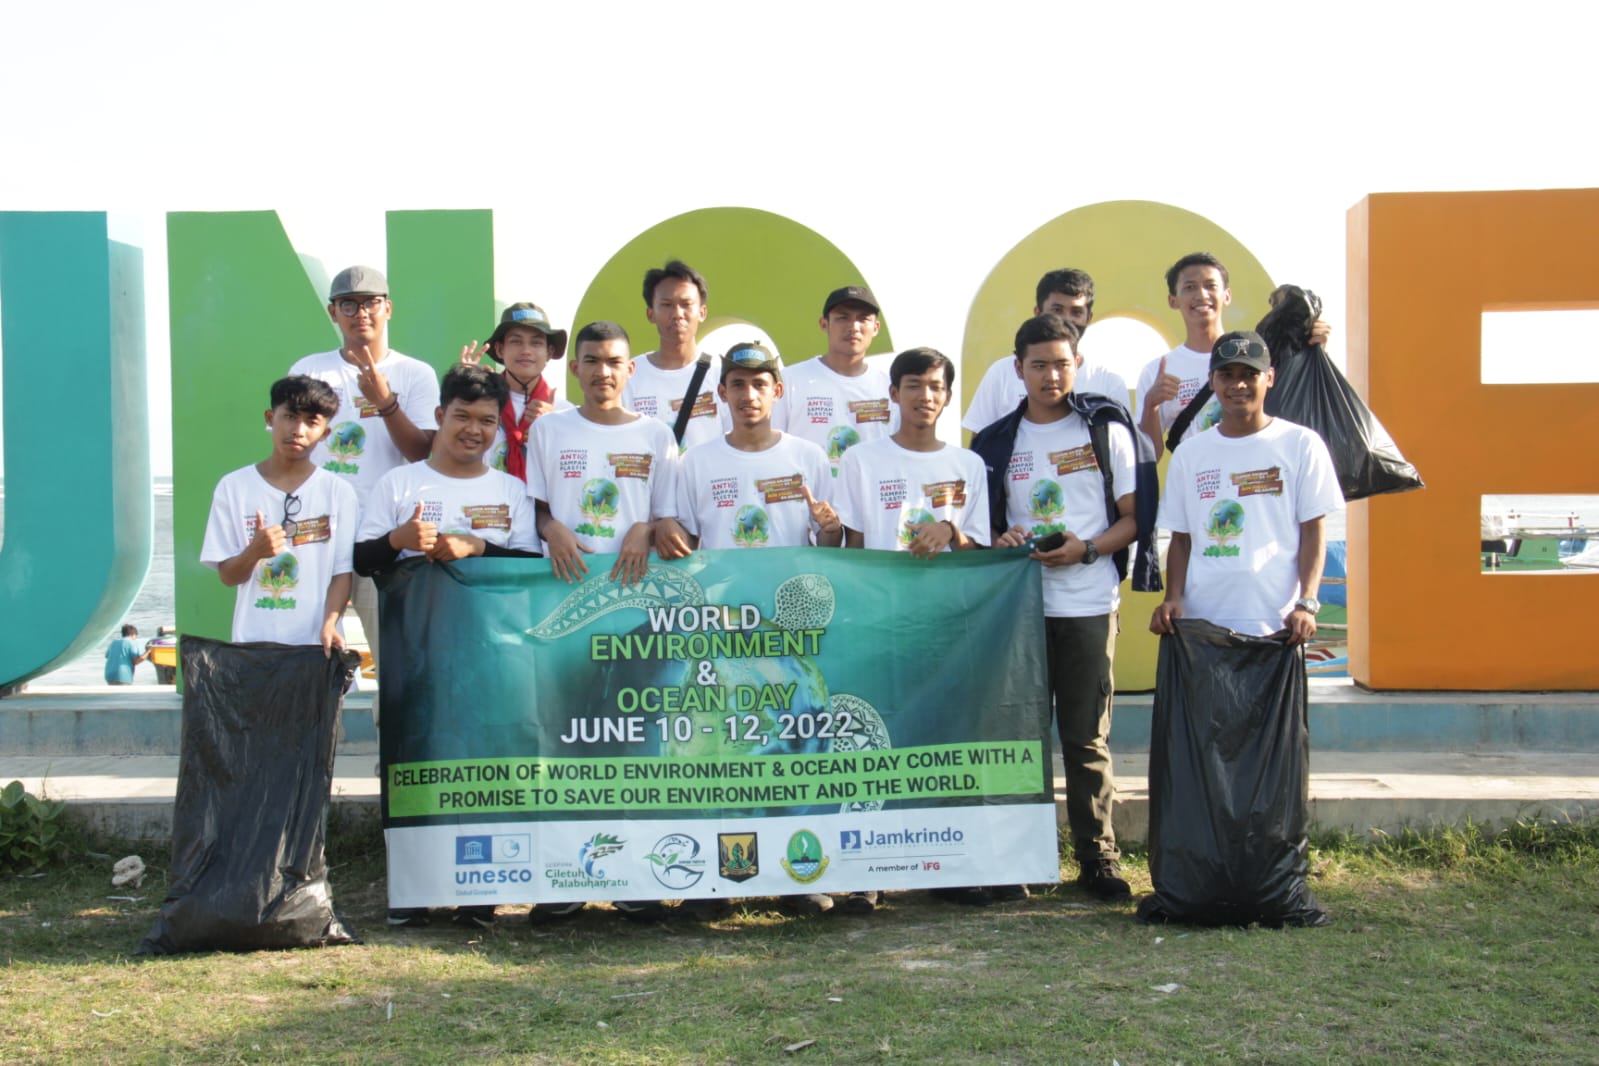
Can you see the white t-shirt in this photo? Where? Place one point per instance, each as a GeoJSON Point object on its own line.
{"type": "Point", "coordinates": [601, 480]}
{"type": "Point", "coordinates": [1000, 391]}
{"type": "Point", "coordinates": [884, 488]}
{"type": "Point", "coordinates": [736, 499]}
{"type": "Point", "coordinates": [1054, 484]}
{"type": "Point", "coordinates": [495, 459]}
{"type": "Point", "coordinates": [1241, 501]}
{"type": "Point", "coordinates": [286, 597]}
{"type": "Point", "coordinates": [358, 447]}
{"type": "Point", "coordinates": [1194, 370]}
{"type": "Point", "coordinates": [834, 411]}
{"type": "Point", "coordinates": [657, 393]}
{"type": "Point", "coordinates": [493, 506]}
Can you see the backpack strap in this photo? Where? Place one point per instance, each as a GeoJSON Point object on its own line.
{"type": "Point", "coordinates": [685, 410]}
{"type": "Point", "coordinates": [1186, 416]}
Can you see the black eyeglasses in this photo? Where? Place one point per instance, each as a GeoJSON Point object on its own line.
{"type": "Point", "coordinates": [291, 508]}
{"type": "Point", "coordinates": [348, 307]}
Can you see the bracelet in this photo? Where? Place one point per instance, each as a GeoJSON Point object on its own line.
{"type": "Point", "coordinates": [394, 405]}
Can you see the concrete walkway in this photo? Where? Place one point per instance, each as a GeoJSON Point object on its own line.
{"type": "Point", "coordinates": [131, 795]}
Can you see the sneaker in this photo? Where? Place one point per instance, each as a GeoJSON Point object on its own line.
{"type": "Point", "coordinates": [474, 917]}
{"type": "Point", "coordinates": [971, 897]}
{"type": "Point", "coordinates": [858, 903]}
{"type": "Point", "coordinates": [641, 910]}
{"type": "Point", "coordinates": [709, 909]}
{"type": "Point", "coordinates": [1008, 893]}
{"type": "Point", "coordinates": [1103, 878]}
{"type": "Point", "coordinates": [545, 913]}
{"type": "Point", "coordinates": [408, 917]}
{"type": "Point", "coordinates": [807, 904]}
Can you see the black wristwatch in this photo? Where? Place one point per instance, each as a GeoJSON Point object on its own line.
{"type": "Point", "coordinates": [1090, 553]}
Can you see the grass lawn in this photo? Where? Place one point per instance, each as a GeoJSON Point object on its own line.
{"type": "Point", "coordinates": [1452, 948]}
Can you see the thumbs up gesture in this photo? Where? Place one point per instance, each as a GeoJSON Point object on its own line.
{"type": "Point", "coordinates": [415, 535]}
{"type": "Point", "coordinates": [269, 541]}
{"type": "Point", "coordinates": [1165, 386]}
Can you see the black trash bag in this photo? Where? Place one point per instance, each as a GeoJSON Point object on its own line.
{"type": "Point", "coordinates": [1229, 781]}
{"type": "Point", "coordinates": [250, 819]}
{"type": "Point", "coordinates": [1312, 391]}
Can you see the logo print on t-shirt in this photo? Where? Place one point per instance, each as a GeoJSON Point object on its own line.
{"type": "Point", "coordinates": [277, 577]}
{"type": "Point", "coordinates": [724, 492]}
{"type": "Point", "coordinates": [488, 515]}
{"type": "Point", "coordinates": [819, 410]}
{"type": "Point", "coordinates": [891, 493]}
{"type": "Point", "coordinates": [1047, 504]}
{"type": "Point", "coordinates": [631, 464]}
{"type": "Point", "coordinates": [1268, 482]}
{"type": "Point", "coordinates": [346, 442]}
{"type": "Point", "coordinates": [866, 411]}
{"type": "Point", "coordinates": [598, 505]}
{"type": "Point", "coordinates": [311, 530]}
{"type": "Point", "coordinates": [572, 462]}
{"type": "Point", "coordinates": [749, 527]}
{"type": "Point", "coordinates": [946, 493]}
{"type": "Point", "coordinates": [704, 406]}
{"type": "Point", "coordinates": [841, 439]}
{"type": "Point", "coordinates": [1074, 460]}
{"type": "Point", "coordinates": [780, 489]}
{"type": "Point", "coordinates": [1225, 523]}
{"type": "Point", "coordinates": [1207, 483]}
{"type": "Point", "coordinates": [914, 520]}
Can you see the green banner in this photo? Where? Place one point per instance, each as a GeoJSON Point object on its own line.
{"type": "Point", "coordinates": [729, 684]}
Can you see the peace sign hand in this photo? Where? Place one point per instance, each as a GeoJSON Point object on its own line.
{"type": "Point", "coordinates": [369, 379]}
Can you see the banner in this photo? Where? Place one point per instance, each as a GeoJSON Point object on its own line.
{"type": "Point", "coordinates": [738, 723]}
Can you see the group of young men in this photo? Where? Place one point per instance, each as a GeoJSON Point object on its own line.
{"type": "Point", "coordinates": [668, 452]}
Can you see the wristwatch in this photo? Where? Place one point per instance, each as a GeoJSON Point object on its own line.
{"type": "Point", "coordinates": [1090, 553]}
{"type": "Point", "coordinates": [1308, 603]}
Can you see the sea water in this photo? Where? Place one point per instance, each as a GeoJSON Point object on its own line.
{"type": "Point", "coordinates": [155, 605]}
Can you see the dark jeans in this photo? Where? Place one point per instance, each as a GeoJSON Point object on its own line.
{"type": "Point", "coordinates": [1081, 682]}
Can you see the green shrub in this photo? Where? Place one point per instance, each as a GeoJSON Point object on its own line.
{"type": "Point", "coordinates": [30, 830]}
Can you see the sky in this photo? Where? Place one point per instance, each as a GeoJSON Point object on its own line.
{"type": "Point", "coordinates": [924, 142]}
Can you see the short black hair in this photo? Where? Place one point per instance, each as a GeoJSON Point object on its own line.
{"type": "Point", "coordinates": [1193, 259]}
{"type": "Point", "coordinates": [130, 630]}
{"type": "Point", "coordinates": [1070, 281]}
{"type": "Point", "coordinates": [1041, 329]}
{"type": "Point", "coordinates": [471, 382]}
{"type": "Point", "coordinates": [674, 268]}
{"type": "Point", "coordinates": [304, 395]}
{"type": "Point", "coordinates": [601, 331]}
{"type": "Point", "coordinates": [920, 361]}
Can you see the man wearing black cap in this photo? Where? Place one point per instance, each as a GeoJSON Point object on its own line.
{"type": "Point", "coordinates": [1253, 496]}
{"type": "Point", "coordinates": [523, 343]}
{"type": "Point", "coordinates": [836, 400]}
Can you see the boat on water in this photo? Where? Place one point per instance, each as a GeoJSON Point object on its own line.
{"type": "Point", "coordinates": [1517, 542]}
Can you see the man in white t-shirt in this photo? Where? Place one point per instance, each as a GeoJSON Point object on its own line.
{"type": "Point", "coordinates": [600, 474]}
{"type": "Point", "coordinates": [911, 492]}
{"type": "Point", "coordinates": [386, 406]}
{"type": "Point", "coordinates": [449, 507]}
{"type": "Point", "coordinates": [452, 505]}
{"type": "Point", "coordinates": [522, 344]}
{"type": "Point", "coordinates": [836, 400]}
{"type": "Point", "coordinates": [757, 487]}
{"type": "Point", "coordinates": [674, 301]}
{"type": "Point", "coordinates": [1246, 508]}
{"type": "Point", "coordinates": [281, 530]}
{"type": "Point", "coordinates": [1197, 287]}
{"type": "Point", "coordinates": [1068, 293]}
{"type": "Point", "coordinates": [1054, 482]}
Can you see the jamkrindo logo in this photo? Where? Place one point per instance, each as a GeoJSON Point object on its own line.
{"type": "Point", "coordinates": [804, 860]}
